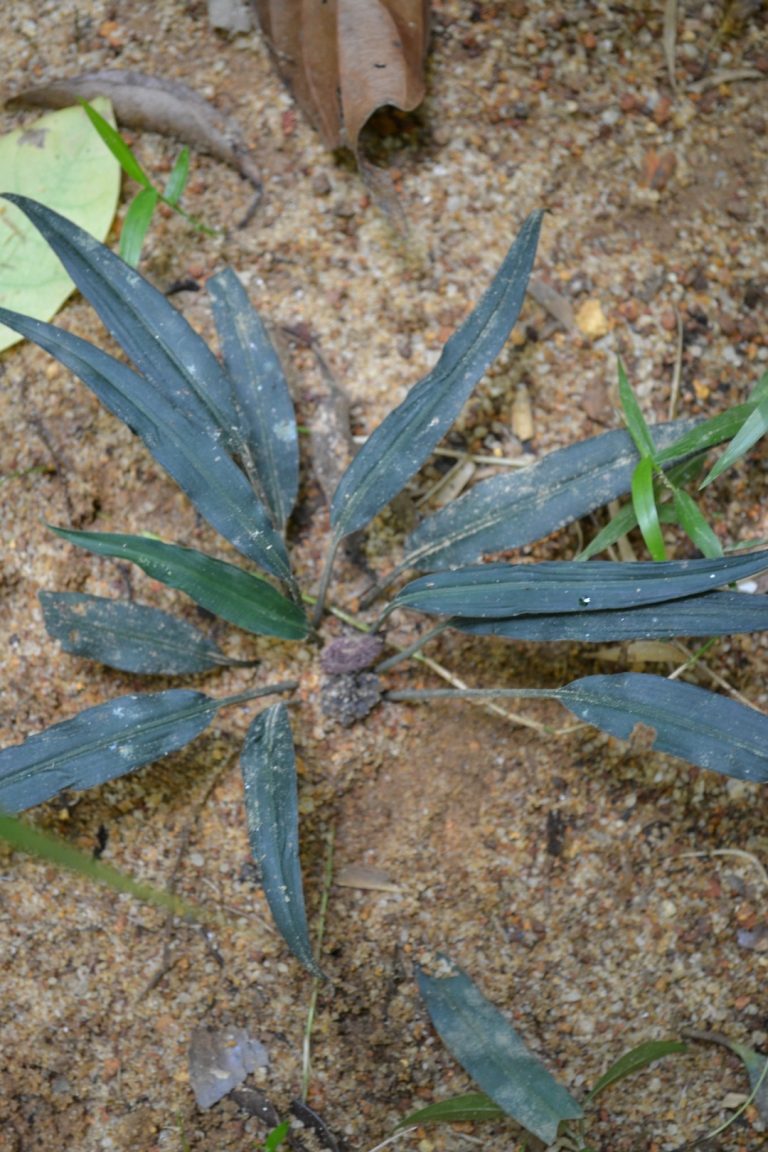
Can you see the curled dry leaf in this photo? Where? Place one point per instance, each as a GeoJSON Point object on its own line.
{"type": "Point", "coordinates": [154, 104]}
{"type": "Point", "coordinates": [345, 58]}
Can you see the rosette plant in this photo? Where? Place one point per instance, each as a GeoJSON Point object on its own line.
{"type": "Point", "coordinates": [225, 431]}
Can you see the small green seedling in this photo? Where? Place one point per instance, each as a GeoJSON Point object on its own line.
{"type": "Point", "coordinates": [657, 495]}
{"type": "Point", "coordinates": [142, 208]}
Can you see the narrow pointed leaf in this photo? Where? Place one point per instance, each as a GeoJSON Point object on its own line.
{"type": "Point", "coordinates": [695, 525]}
{"type": "Point", "coordinates": [101, 744]}
{"type": "Point", "coordinates": [635, 1060]}
{"type": "Point", "coordinates": [711, 731]}
{"type": "Point", "coordinates": [755, 427]}
{"type": "Point", "coordinates": [754, 1063]}
{"type": "Point", "coordinates": [269, 775]}
{"type": "Point", "coordinates": [228, 592]}
{"type": "Point", "coordinates": [620, 525]}
{"type": "Point", "coordinates": [117, 146]}
{"type": "Point", "coordinates": [497, 590]}
{"type": "Point", "coordinates": [711, 614]}
{"type": "Point", "coordinates": [707, 433]}
{"type": "Point", "coordinates": [633, 414]}
{"type": "Point", "coordinates": [177, 181]}
{"type": "Point", "coordinates": [157, 338]}
{"type": "Point", "coordinates": [644, 504]}
{"type": "Point", "coordinates": [263, 403]}
{"type": "Point", "coordinates": [496, 1058]}
{"type": "Point", "coordinates": [191, 452]}
{"type": "Point", "coordinates": [35, 842]}
{"type": "Point", "coordinates": [132, 637]}
{"type": "Point", "coordinates": [403, 441]}
{"type": "Point", "coordinates": [514, 509]}
{"type": "Point", "coordinates": [136, 225]}
{"type": "Point", "coordinates": [471, 1106]}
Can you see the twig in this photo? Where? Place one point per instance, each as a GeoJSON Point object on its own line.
{"type": "Point", "coordinates": [721, 682]}
{"type": "Point", "coordinates": [306, 1068]}
{"type": "Point", "coordinates": [734, 76]}
{"type": "Point", "coordinates": [670, 41]}
{"type": "Point", "coordinates": [677, 373]}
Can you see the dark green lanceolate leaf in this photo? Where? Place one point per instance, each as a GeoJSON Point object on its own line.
{"type": "Point", "coordinates": [269, 774]}
{"type": "Point", "coordinates": [493, 591]}
{"type": "Point", "coordinates": [711, 614]}
{"type": "Point", "coordinates": [132, 637]}
{"type": "Point", "coordinates": [637, 1059]}
{"type": "Point", "coordinates": [157, 338]}
{"type": "Point", "coordinates": [471, 1106]}
{"type": "Point", "coordinates": [136, 225]}
{"type": "Point", "coordinates": [402, 442]}
{"type": "Point", "coordinates": [493, 1054]}
{"type": "Point", "coordinates": [514, 509]}
{"type": "Point", "coordinates": [709, 730]}
{"type": "Point", "coordinates": [229, 592]}
{"type": "Point", "coordinates": [261, 396]}
{"type": "Point", "coordinates": [190, 452]}
{"type": "Point", "coordinates": [101, 744]}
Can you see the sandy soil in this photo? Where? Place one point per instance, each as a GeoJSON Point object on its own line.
{"type": "Point", "coordinates": [575, 880]}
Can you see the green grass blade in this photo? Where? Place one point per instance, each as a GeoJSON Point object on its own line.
{"type": "Point", "coordinates": [177, 181]}
{"type": "Point", "coordinates": [269, 775]}
{"type": "Point", "coordinates": [706, 434]}
{"type": "Point", "coordinates": [633, 414]}
{"type": "Point", "coordinates": [711, 731]}
{"type": "Point", "coordinates": [26, 838]}
{"type": "Point", "coordinates": [694, 523]}
{"type": "Point", "coordinates": [229, 592]}
{"type": "Point", "coordinates": [403, 441]}
{"type": "Point", "coordinates": [495, 591]}
{"type": "Point", "coordinates": [129, 636]}
{"type": "Point", "coordinates": [644, 504]}
{"type": "Point", "coordinates": [263, 401]}
{"type": "Point", "coordinates": [117, 146]}
{"type": "Point", "coordinates": [753, 429]}
{"type": "Point", "coordinates": [136, 225]}
{"type": "Point", "coordinates": [514, 509]}
{"type": "Point", "coordinates": [711, 614]}
{"type": "Point", "coordinates": [276, 1137]}
{"type": "Point", "coordinates": [635, 1060]}
{"type": "Point", "coordinates": [471, 1106]}
{"type": "Point", "coordinates": [190, 451]}
{"type": "Point", "coordinates": [493, 1054]}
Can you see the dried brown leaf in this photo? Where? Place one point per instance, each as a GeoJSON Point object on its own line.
{"type": "Point", "coordinates": [345, 58]}
{"type": "Point", "coordinates": [153, 104]}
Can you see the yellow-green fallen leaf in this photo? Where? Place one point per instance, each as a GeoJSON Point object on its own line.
{"type": "Point", "coordinates": [61, 161]}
